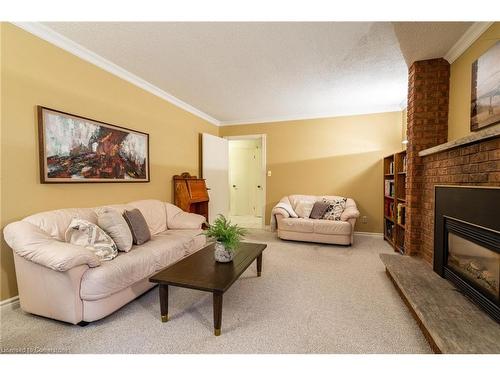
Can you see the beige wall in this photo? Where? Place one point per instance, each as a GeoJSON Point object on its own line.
{"type": "Point", "coordinates": [35, 72]}
{"type": "Point", "coordinates": [341, 155]}
{"type": "Point", "coordinates": [460, 83]}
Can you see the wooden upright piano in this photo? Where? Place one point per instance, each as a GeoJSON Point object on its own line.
{"type": "Point", "coordinates": [190, 194]}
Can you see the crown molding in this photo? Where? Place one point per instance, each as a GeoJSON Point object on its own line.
{"type": "Point", "coordinates": [466, 40]}
{"type": "Point", "coordinates": [395, 108]}
{"type": "Point", "coordinates": [76, 49]}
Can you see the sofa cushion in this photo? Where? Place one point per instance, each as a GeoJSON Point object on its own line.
{"type": "Point", "coordinates": [295, 199]}
{"type": "Point", "coordinates": [335, 209]}
{"type": "Point", "coordinates": [297, 225]}
{"type": "Point", "coordinates": [55, 223]}
{"type": "Point", "coordinates": [332, 227]}
{"type": "Point", "coordinates": [319, 209]}
{"type": "Point", "coordinates": [154, 212]}
{"type": "Point", "coordinates": [90, 236]}
{"type": "Point", "coordinates": [114, 224]}
{"type": "Point", "coordinates": [139, 263]}
{"type": "Point", "coordinates": [304, 208]}
{"type": "Point", "coordinates": [138, 226]}
{"type": "Point", "coordinates": [194, 237]}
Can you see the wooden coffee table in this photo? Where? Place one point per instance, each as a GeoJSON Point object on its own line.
{"type": "Point", "coordinates": [200, 271]}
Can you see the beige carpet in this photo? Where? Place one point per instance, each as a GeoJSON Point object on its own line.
{"type": "Point", "coordinates": [310, 299]}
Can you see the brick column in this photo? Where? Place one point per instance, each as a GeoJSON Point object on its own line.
{"type": "Point", "coordinates": [428, 89]}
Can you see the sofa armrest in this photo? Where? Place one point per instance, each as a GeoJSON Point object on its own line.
{"type": "Point", "coordinates": [178, 219]}
{"type": "Point", "coordinates": [349, 213]}
{"type": "Point", "coordinates": [33, 244]}
{"type": "Point", "coordinates": [280, 211]}
{"type": "Point", "coordinates": [186, 220]}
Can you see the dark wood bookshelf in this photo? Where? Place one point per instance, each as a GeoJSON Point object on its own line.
{"type": "Point", "coordinates": [395, 179]}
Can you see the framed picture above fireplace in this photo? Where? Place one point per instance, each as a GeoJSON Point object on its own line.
{"type": "Point", "coordinates": [77, 149]}
{"type": "Point", "coordinates": [485, 89]}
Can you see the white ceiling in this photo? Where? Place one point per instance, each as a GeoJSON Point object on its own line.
{"type": "Point", "coordinates": [428, 40]}
{"type": "Point", "coordinates": [256, 72]}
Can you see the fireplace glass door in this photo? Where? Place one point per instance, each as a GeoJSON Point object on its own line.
{"type": "Point", "coordinates": [476, 263]}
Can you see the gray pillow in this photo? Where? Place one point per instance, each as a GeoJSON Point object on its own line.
{"type": "Point", "coordinates": [138, 226]}
{"type": "Point", "coordinates": [319, 209]}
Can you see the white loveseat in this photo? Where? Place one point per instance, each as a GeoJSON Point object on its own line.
{"type": "Point", "coordinates": [314, 230]}
{"type": "Point", "coordinates": [66, 282]}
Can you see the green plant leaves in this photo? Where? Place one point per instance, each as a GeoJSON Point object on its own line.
{"type": "Point", "coordinates": [228, 234]}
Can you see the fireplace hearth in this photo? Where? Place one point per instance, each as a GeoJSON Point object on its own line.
{"type": "Point", "coordinates": [467, 242]}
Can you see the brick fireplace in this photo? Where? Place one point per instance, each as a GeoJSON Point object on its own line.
{"type": "Point", "coordinates": [463, 254]}
{"type": "Point", "coordinates": [474, 161]}
{"type": "Point", "coordinates": [471, 165]}
{"type": "Point", "coordinates": [428, 91]}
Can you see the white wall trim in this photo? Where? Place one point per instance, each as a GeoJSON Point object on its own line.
{"type": "Point", "coordinates": [396, 108]}
{"type": "Point", "coordinates": [76, 49]}
{"type": "Point", "coordinates": [372, 234]}
{"type": "Point", "coordinates": [465, 41]}
{"type": "Point", "coordinates": [10, 302]}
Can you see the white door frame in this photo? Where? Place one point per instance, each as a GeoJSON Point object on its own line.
{"type": "Point", "coordinates": [263, 140]}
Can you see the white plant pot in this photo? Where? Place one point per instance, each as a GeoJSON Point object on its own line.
{"type": "Point", "coordinates": [221, 254]}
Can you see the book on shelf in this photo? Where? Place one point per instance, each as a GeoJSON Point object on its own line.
{"type": "Point", "coordinates": [391, 167]}
{"type": "Point", "coordinates": [389, 188]}
{"type": "Point", "coordinates": [401, 210]}
{"type": "Point", "coordinates": [404, 163]}
{"type": "Point", "coordinates": [389, 230]}
{"type": "Point", "coordinates": [389, 208]}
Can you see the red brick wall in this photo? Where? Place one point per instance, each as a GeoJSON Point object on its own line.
{"type": "Point", "coordinates": [428, 88]}
{"type": "Point", "coordinates": [473, 165]}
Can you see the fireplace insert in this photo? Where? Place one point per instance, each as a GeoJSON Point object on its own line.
{"type": "Point", "coordinates": [467, 242]}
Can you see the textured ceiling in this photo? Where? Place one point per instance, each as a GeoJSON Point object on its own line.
{"type": "Point", "coordinates": [251, 72]}
{"type": "Point", "coordinates": [427, 40]}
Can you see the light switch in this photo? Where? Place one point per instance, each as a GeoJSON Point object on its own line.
{"type": "Point", "coordinates": [268, 173]}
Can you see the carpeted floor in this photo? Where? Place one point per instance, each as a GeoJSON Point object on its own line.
{"type": "Point", "coordinates": [310, 299]}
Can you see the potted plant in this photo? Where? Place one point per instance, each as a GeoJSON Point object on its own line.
{"type": "Point", "coordinates": [227, 237]}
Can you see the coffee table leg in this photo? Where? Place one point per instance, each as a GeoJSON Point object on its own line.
{"type": "Point", "coordinates": [164, 302]}
{"type": "Point", "coordinates": [259, 264]}
{"type": "Point", "coordinates": [217, 313]}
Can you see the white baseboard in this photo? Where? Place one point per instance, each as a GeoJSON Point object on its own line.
{"type": "Point", "coordinates": [381, 235]}
{"type": "Point", "coordinates": [10, 303]}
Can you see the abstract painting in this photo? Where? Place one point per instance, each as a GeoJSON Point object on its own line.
{"type": "Point", "coordinates": [485, 96]}
{"type": "Point", "coordinates": [78, 149]}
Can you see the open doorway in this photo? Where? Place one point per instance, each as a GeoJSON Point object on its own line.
{"type": "Point", "coordinates": [247, 166]}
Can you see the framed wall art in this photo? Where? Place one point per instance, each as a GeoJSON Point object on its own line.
{"type": "Point", "coordinates": [485, 93]}
{"type": "Point", "coordinates": [75, 149]}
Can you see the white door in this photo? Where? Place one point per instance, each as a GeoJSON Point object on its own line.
{"type": "Point", "coordinates": [241, 180]}
{"type": "Point", "coordinates": [215, 162]}
{"type": "Point", "coordinates": [245, 177]}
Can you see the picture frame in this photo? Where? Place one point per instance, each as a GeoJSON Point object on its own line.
{"type": "Point", "coordinates": [485, 89]}
{"type": "Point", "coordinates": [76, 149]}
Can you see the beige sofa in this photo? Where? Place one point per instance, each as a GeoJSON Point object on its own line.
{"type": "Point", "coordinates": [66, 282]}
{"type": "Point", "coordinates": [313, 230]}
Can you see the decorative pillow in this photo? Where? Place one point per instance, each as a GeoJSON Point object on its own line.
{"type": "Point", "coordinates": [335, 208]}
{"type": "Point", "coordinates": [319, 209]}
{"type": "Point", "coordinates": [304, 208]}
{"type": "Point", "coordinates": [138, 226]}
{"type": "Point", "coordinates": [113, 223]}
{"type": "Point", "coordinates": [84, 233]}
